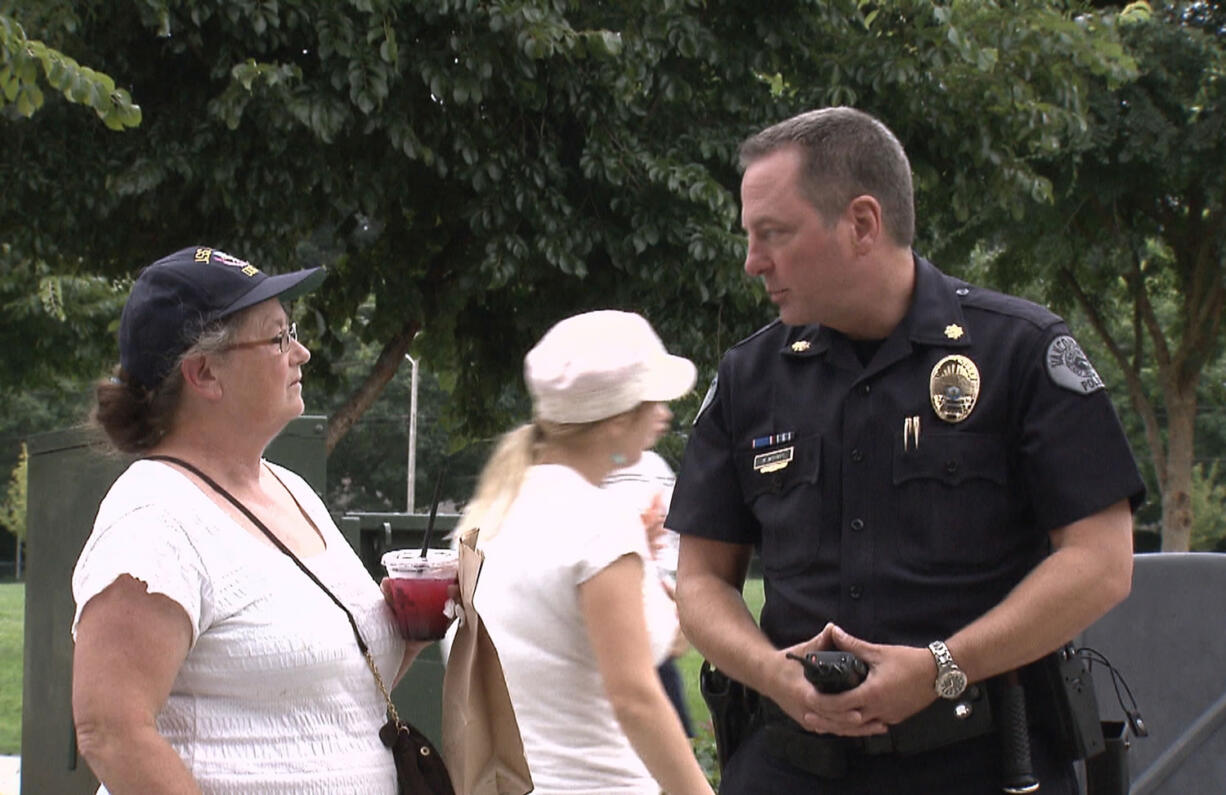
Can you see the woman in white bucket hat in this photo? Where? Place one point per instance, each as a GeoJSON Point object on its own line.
{"type": "Point", "coordinates": [578, 625]}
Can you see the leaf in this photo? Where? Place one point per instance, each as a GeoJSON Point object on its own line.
{"type": "Point", "coordinates": [10, 85]}
{"type": "Point", "coordinates": [25, 102]}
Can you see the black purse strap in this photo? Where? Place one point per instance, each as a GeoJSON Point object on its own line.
{"type": "Point", "coordinates": [279, 544]}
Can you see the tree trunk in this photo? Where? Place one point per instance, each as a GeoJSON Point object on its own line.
{"type": "Point", "coordinates": [364, 396]}
{"type": "Point", "coordinates": [1177, 489]}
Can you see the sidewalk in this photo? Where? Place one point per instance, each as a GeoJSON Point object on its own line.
{"type": "Point", "coordinates": [10, 775]}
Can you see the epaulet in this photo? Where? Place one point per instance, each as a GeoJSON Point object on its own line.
{"type": "Point", "coordinates": [991, 301]}
{"type": "Point", "coordinates": [769, 326]}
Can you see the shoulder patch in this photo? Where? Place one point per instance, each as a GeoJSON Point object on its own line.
{"type": "Point", "coordinates": [708, 398]}
{"type": "Point", "coordinates": [1068, 366]}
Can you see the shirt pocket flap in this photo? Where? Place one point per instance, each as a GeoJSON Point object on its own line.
{"type": "Point", "coordinates": [952, 458]}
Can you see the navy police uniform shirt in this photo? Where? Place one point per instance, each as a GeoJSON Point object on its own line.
{"type": "Point", "coordinates": [904, 498]}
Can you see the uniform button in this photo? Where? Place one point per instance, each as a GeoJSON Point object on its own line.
{"type": "Point", "coordinates": [951, 467]}
{"type": "Point", "coordinates": [854, 592]}
{"type": "Point", "coordinates": [864, 390]}
{"type": "Point", "coordinates": [962, 291]}
{"type": "Point", "coordinates": [857, 524]}
{"type": "Point", "coordinates": [857, 456]}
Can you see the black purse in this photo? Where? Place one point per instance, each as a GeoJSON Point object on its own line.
{"type": "Point", "coordinates": [419, 766]}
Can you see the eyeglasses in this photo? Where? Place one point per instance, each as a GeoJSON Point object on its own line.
{"type": "Point", "coordinates": [282, 340]}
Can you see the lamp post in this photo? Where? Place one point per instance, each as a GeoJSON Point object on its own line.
{"type": "Point", "coordinates": [412, 476]}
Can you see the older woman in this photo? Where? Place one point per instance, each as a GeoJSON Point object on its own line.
{"type": "Point", "coordinates": [206, 660]}
{"type": "Point", "coordinates": [567, 589]}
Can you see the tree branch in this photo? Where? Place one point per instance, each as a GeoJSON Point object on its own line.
{"type": "Point", "coordinates": [368, 391]}
{"type": "Point", "coordinates": [1132, 379]}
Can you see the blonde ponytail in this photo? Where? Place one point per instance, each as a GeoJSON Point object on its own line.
{"type": "Point", "coordinates": [500, 480]}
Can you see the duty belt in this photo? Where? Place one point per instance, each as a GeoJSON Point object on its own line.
{"type": "Point", "coordinates": [941, 723]}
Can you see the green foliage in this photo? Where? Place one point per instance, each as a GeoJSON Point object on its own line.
{"type": "Point", "coordinates": [58, 325]}
{"type": "Point", "coordinates": [22, 58]}
{"type": "Point", "coordinates": [1208, 509]}
{"type": "Point", "coordinates": [1135, 234]}
{"type": "Point", "coordinates": [367, 471]}
{"type": "Point", "coordinates": [480, 169]}
{"type": "Point", "coordinates": [13, 508]}
{"type": "Point", "coordinates": [57, 338]}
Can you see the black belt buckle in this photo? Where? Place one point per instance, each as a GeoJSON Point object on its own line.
{"type": "Point", "coordinates": [944, 722]}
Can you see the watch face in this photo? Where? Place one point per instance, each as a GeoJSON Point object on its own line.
{"type": "Point", "coordinates": [950, 684]}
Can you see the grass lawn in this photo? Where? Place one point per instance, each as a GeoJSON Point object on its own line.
{"type": "Point", "coordinates": [12, 640]}
{"type": "Point", "coordinates": [704, 741]}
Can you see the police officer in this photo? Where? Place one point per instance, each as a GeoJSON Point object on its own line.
{"type": "Point", "coordinates": [932, 475]}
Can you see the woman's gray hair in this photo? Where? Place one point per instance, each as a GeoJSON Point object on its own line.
{"type": "Point", "coordinates": [135, 418]}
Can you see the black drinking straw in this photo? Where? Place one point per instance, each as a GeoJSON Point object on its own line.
{"type": "Point", "coordinates": [438, 486]}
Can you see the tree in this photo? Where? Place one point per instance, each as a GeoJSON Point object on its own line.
{"type": "Point", "coordinates": [22, 58]}
{"type": "Point", "coordinates": [57, 326]}
{"type": "Point", "coordinates": [1135, 237]}
{"type": "Point", "coordinates": [1208, 509]}
{"type": "Point", "coordinates": [57, 336]}
{"type": "Point", "coordinates": [367, 469]}
{"type": "Point", "coordinates": [476, 170]}
{"type": "Point", "coordinates": [13, 508]}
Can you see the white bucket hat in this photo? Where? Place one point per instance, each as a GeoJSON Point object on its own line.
{"type": "Point", "coordinates": [599, 364]}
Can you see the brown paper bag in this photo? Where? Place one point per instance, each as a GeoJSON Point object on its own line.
{"type": "Point", "coordinates": [481, 740]}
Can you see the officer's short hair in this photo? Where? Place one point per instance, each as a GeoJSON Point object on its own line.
{"type": "Point", "coordinates": [847, 153]}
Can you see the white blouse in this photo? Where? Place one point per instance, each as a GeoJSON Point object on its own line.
{"type": "Point", "coordinates": [274, 695]}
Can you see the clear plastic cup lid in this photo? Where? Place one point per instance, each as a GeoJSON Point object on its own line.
{"type": "Point", "coordinates": [410, 562]}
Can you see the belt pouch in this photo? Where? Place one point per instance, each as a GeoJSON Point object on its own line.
{"type": "Point", "coordinates": [944, 722]}
{"type": "Point", "coordinates": [732, 706]}
{"type": "Point", "coordinates": [1107, 772]}
{"type": "Point", "coordinates": [1060, 695]}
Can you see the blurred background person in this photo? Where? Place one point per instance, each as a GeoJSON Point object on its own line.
{"type": "Point", "coordinates": [647, 485]}
{"type": "Point", "coordinates": [205, 660]}
{"type": "Point", "coordinates": [568, 590]}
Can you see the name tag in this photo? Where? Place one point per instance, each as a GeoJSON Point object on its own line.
{"type": "Point", "coordinates": [773, 461]}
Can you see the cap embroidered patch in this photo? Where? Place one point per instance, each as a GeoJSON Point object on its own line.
{"type": "Point", "coordinates": [225, 259]}
{"type": "Point", "coordinates": [1069, 367]}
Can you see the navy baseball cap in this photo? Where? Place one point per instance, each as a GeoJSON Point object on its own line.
{"type": "Point", "coordinates": [176, 297]}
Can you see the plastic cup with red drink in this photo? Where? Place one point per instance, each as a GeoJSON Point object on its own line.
{"type": "Point", "coordinates": [418, 589]}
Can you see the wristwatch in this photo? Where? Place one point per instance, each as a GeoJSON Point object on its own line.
{"type": "Point", "coordinates": [951, 680]}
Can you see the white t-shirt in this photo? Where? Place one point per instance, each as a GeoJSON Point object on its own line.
{"type": "Point", "coordinates": [560, 532]}
{"type": "Point", "coordinates": [639, 483]}
{"type": "Point", "coordinates": [274, 695]}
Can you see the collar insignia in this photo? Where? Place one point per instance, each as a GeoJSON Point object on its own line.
{"type": "Point", "coordinates": [953, 331]}
{"type": "Point", "coordinates": [800, 346]}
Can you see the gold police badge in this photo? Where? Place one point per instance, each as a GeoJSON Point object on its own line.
{"type": "Point", "coordinates": [954, 386]}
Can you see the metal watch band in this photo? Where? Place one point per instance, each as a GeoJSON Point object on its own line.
{"type": "Point", "coordinates": [951, 680]}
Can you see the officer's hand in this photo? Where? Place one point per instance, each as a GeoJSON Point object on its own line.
{"type": "Point", "coordinates": [816, 711]}
{"type": "Point", "coordinates": [899, 682]}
